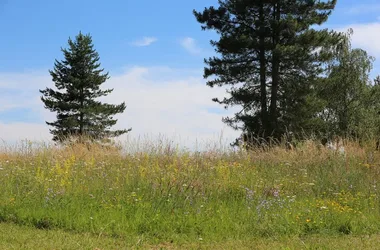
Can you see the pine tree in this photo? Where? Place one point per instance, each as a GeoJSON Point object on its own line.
{"type": "Point", "coordinates": [78, 79]}
{"type": "Point", "coordinates": [272, 57]}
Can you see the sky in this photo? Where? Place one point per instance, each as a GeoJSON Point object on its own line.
{"type": "Point", "coordinates": [154, 52]}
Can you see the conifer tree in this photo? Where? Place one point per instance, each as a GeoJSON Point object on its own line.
{"type": "Point", "coordinates": [271, 57]}
{"type": "Point", "coordinates": [78, 79]}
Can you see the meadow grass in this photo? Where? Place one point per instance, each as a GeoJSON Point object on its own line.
{"type": "Point", "coordinates": [166, 195]}
{"type": "Point", "coordinates": [23, 237]}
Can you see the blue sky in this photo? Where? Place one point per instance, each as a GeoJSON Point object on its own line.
{"type": "Point", "coordinates": [35, 30]}
{"type": "Point", "coordinates": [153, 49]}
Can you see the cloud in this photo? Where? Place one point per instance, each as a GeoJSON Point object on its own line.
{"type": "Point", "coordinates": [145, 41]}
{"type": "Point", "coordinates": [161, 101]}
{"type": "Point", "coordinates": [158, 103]}
{"type": "Point", "coordinates": [366, 36]}
{"type": "Point", "coordinates": [190, 45]}
{"type": "Point", "coordinates": [21, 90]}
{"type": "Point", "coordinates": [17, 131]}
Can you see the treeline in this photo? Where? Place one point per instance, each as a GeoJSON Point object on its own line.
{"type": "Point", "coordinates": [287, 74]}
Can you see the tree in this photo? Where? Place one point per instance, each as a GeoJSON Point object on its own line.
{"type": "Point", "coordinates": [375, 99]}
{"type": "Point", "coordinates": [271, 58]}
{"type": "Point", "coordinates": [347, 92]}
{"type": "Point", "coordinates": [78, 79]}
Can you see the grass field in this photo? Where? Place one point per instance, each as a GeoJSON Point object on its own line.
{"type": "Point", "coordinates": [165, 197]}
{"type": "Point", "coordinates": [22, 237]}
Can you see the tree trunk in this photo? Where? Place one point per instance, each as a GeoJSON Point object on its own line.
{"type": "Point", "coordinates": [275, 70]}
{"type": "Point", "coordinates": [263, 90]}
{"type": "Point", "coordinates": [81, 127]}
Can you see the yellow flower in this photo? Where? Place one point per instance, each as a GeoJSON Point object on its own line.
{"type": "Point", "coordinates": [12, 201]}
{"type": "Point", "coordinates": [308, 220]}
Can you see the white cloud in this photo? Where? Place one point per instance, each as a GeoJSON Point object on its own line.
{"type": "Point", "coordinates": [366, 36]}
{"type": "Point", "coordinates": [173, 103]}
{"type": "Point", "coordinates": [21, 90]}
{"type": "Point", "coordinates": [145, 41]}
{"type": "Point", "coordinates": [17, 131]}
{"type": "Point", "coordinates": [190, 45]}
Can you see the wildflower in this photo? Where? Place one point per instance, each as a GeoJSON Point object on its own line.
{"type": "Point", "coordinates": [249, 194]}
{"type": "Point", "coordinates": [308, 220]}
{"type": "Point", "coordinates": [366, 165]}
{"type": "Point", "coordinates": [276, 193]}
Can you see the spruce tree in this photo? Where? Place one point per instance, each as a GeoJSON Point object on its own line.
{"type": "Point", "coordinates": [271, 57]}
{"type": "Point", "coordinates": [78, 79]}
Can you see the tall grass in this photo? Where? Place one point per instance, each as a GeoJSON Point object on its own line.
{"type": "Point", "coordinates": [164, 193]}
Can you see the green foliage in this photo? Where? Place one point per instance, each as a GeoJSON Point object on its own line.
{"type": "Point", "coordinates": [348, 93]}
{"type": "Point", "coordinates": [78, 79]}
{"type": "Point", "coordinates": [268, 54]}
{"type": "Point", "coordinates": [374, 109]}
